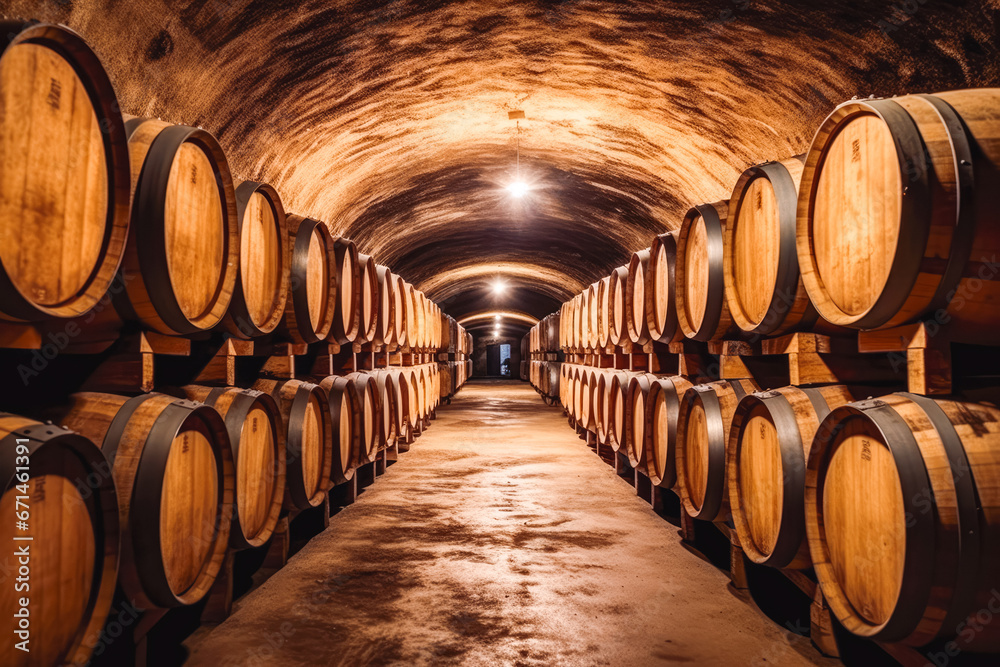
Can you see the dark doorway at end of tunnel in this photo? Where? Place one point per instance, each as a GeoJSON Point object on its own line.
{"type": "Point", "coordinates": [498, 360]}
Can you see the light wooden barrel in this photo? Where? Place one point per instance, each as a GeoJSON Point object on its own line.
{"type": "Point", "coordinates": [370, 299]}
{"type": "Point", "coordinates": [661, 312]}
{"type": "Point", "coordinates": [311, 307]}
{"type": "Point", "coordinates": [702, 311]}
{"type": "Point", "coordinates": [593, 333]}
{"type": "Point", "coordinates": [706, 414]}
{"type": "Point", "coordinates": [663, 401]}
{"type": "Point", "coordinates": [769, 443]}
{"type": "Point", "coordinates": [182, 256]}
{"type": "Point", "coordinates": [345, 424]}
{"type": "Point", "coordinates": [603, 318]}
{"type": "Point", "coordinates": [370, 415]}
{"type": "Point", "coordinates": [347, 321]}
{"type": "Point", "coordinates": [402, 308]}
{"type": "Point", "coordinates": [419, 339]}
{"type": "Point", "coordinates": [638, 411]}
{"type": "Point", "coordinates": [73, 524]}
{"type": "Point", "coordinates": [903, 519]}
{"type": "Point", "coordinates": [64, 175]}
{"type": "Point", "coordinates": [618, 409]}
{"type": "Point", "coordinates": [389, 425]}
{"type": "Point", "coordinates": [565, 317]}
{"type": "Point", "coordinates": [896, 213]}
{"type": "Point", "coordinates": [261, 290]}
{"type": "Point", "coordinates": [588, 383]}
{"type": "Point", "coordinates": [764, 290]}
{"type": "Point", "coordinates": [308, 441]}
{"type": "Point", "coordinates": [385, 329]}
{"type": "Point", "coordinates": [173, 468]}
{"type": "Point", "coordinates": [401, 385]}
{"type": "Point", "coordinates": [413, 398]}
{"type": "Point", "coordinates": [421, 384]}
{"type": "Point", "coordinates": [602, 394]}
{"type": "Point", "coordinates": [551, 374]}
{"type": "Point", "coordinates": [636, 301]}
{"type": "Point", "coordinates": [252, 421]}
{"type": "Point", "coordinates": [617, 311]}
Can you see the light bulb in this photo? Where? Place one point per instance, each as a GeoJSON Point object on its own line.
{"type": "Point", "coordinates": [517, 189]}
{"type": "Point", "coordinates": [499, 287]}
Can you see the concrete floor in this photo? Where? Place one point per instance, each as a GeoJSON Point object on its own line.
{"type": "Point", "coordinates": [500, 538]}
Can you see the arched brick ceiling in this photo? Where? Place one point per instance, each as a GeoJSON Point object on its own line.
{"type": "Point", "coordinates": [389, 120]}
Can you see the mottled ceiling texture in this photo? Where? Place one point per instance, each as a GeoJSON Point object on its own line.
{"type": "Point", "coordinates": [390, 121]}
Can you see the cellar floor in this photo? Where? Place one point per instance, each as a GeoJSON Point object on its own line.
{"type": "Point", "coordinates": [499, 538]}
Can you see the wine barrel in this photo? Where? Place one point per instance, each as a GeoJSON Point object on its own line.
{"type": "Point", "coordinates": [618, 410]}
{"type": "Point", "coordinates": [385, 329]}
{"type": "Point", "coordinates": [636, 320]}
{"type": "Point", "coordinates": [603, 319]}
{"type": "Point", "coordinates": [552, 372]}
{"type": "Point", "coordinates": [769, 443]}
{"type": "Point", "coordinates": [74, 536]}
{"type": "Point", "coordinates": [65, 185]}
{"type": "Point", "coordinates": [347, 320]}
{"type": "Point", "coordinates": [252, 421]}
{"type": "Point", "coordinates": [661, 312]}
{"type": "Point", "coordinates": [389, 426]}
{"type": "Point", "coordinates": [706, 414]}
{"type": "Point", "coordinates": [402, 308]}
{"type": "Point", "coordinates": [663, 410]}
{"type": "Point", "coordinates": [412, 400]}
{"type": "Point", "coordinates": [307, 438]}
{"type": "Point", "coordinates": [896, 213]}
{"type": "Point", "coordinates": [309, 313]}
{"type": "Point", "coordinates": [764, 289]}
{"type": "Point", "coordinates": [618, 332]}
{"type": "Point", "coordinates": [565, 317]}
{"type": "Point", "coordinates": [345, 416]}
{"type": "Point", "coordinates": [419, 341]}
{"type": "Point", "coordinates": [369, 416]}
{"type": "Point", "coordinates": [592, 329]}
{"type": "Point", "coordinates": [638, 413]}
{"type": "Point", "coordinates": [702, 311]}
{"type": "Point", "coordinates": [601, 403]}
{"type": "Point", "coordinates": [261, 289]}
{"type": "Point", "coordinates": [903, 518]}
{"type": "Point", "coordinates": [182, 255]}
{"type": "Point", "coordinates": [173, 468]}
{"type": "Point", "coordinates": [588, 383]}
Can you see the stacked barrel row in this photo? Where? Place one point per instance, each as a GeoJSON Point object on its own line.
{"type": "Point", "coordinates": [455, 357]}
{"type": "Point", "coordinates": [890, 218]}
{"type": "Point", "coordinates": [146, 494]}
{"type": "Point", "coordinates": [94, 195]}
{"type": "Point", "coordinates": [892, 501]}
{"type": "Point", "coordinates": [543, 359]}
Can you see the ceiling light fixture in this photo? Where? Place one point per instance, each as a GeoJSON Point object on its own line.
{"type": "Point", "coordinates": [518, 188]}
{"type": "Point", "coordinates": [499, 287]}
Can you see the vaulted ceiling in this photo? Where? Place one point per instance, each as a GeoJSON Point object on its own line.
{"type": "Point", "coordinates": [389, 120]}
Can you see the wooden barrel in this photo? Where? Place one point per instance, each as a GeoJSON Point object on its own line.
{"type": "Point", "coordinates": [601, 393]}
{"type": "Point", "coordinates": [173, 468]}
{"type": "Point", "coordinates": [636, 320]}
{"type": "Point", "coordinates": [311, 308]}
{"type": "Point", "coordinates": [764, 289]}
{"type": "Point", "coordinates": [551, 374]}
{"type": "Point", "coordinates": [402, 308]}
{"type": "Point", "coordinates": [308, 440]}
{"type": "Point", "coordinates": [401, 387]}
{"type": "Point", "coordinates": [369, 415]}
{"type": "Point", "coordinates": [419, 340]}
{"type": "Point", "coordinates": [347, 320]}
{"type": "Point", "coordinates": [73, 527]}
{"type": "Point", "coordinates": [182, 254]}
{"type": "Point", "coordinates": [345, 417]}
{"type": "Point", "coordinates": [769, 443]}
{"type": "Point", "coordinates": [706, 414]}
{"type": "Point", "coordinates": [565, 316]}
{"type": "Point", "coordinates": [661, 312]}
{"type": "Point", "coordinates": [252, 421]}
{"type": "Point", "coordinates": [896, 213]}
{"type": "Point", "coordinates": [618, 410]}
{"type": "Point", "coordinates": [388, 425]}
{"type": "Point", "coordinates": [261, 290]}
{"type": "Point", "coordinates": [423, 409]}
{"type": "Point", "coordinates": [663, 409]}
{"type": "Point", "coordinates": [702, 311]}
{"type": "Point", "coordinates": [617, 313]}
{"type": "Point", "coordinates": [413, 398]}
{"type": "Point", "coordinates": [603, 316]}
{"type": "Point", "coordinates": [588, 384]}
{"type": "Point", "coordinates": [903, 519]}
{"type": "Point", "coordinates": [638, 411]}
{"type": "Point", "coordinates": [592, 328]}
{"type": "Point", "coordinates": [65, 185]}
{"type": "Point", "coordinates": [385, 329]}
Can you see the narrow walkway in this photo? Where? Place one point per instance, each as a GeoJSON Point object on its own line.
{"type": "Point", "coordinates": [499, 539]}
